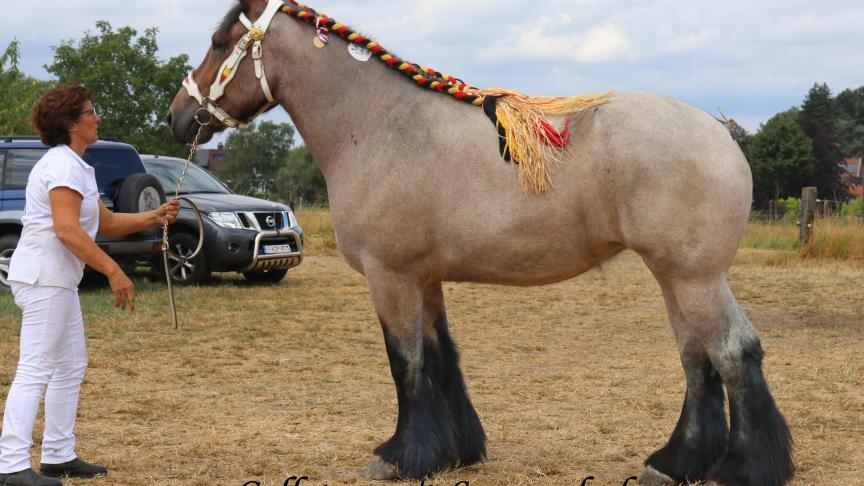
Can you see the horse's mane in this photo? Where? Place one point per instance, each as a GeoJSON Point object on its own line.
{"type": "Point", "coordinates": [521, 120]}
{"type": "Point", "coordinates": [230, 18]}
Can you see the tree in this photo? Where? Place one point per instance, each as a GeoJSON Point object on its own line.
{"type": "Point", "coordinates": [740, 134]}
{"type": "Point", "coordinates": [254, 156]}
{"type": "Point", "coordinates": [18, 94]}
{"type": "Point", "coordinates": [132, 89]}
{"type": "Point", "coordinates": [300, 181]}
{"type": "Point", "coordinates": [850, 122]}
{"type": "Point", "coordinates": [780, 157]}
{"type": "Point", "coordinates": [818, 118]}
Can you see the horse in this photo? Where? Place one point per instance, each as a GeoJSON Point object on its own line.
{"type": "Point", "coordinates": [420, 195]}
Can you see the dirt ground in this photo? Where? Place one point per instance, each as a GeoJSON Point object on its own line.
{"type": "Point", "coordinates": [571, 380]}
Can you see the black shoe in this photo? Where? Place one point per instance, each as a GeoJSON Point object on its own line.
{"type": "Point", "coordinates": [76, 468]}
{"type": "Point", "coordinates": [27, 477]}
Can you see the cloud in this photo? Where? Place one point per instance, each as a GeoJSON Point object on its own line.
{"type": "Point", "coordinates": [600, 44]}
{"type": "Point", "coordinates": [548, 40]}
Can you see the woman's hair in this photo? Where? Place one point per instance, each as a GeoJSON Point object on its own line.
{"type": "Point", "coordinates": [55, 111]}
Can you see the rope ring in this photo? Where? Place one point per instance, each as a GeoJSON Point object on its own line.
{"type": "Point", "coordinates": [209, 117]}
{"type": "Point", "coordinates": [200, 245]}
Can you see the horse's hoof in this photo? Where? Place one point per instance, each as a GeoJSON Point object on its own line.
{"type": "Point", "coordinates": [379, 470]}
{"type": "Point", "coordinates": [653, 477]}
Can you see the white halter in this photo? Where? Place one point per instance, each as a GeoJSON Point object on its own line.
{"type": "Point", "coordinates": [229, 68]}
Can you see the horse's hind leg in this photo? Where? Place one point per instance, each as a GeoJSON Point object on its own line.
{"type": "Point", "coordinates": [699, 438]}
{"type": "Point", "coordinates": [437, 426]}
{"type": "Point", "coordinates": [759, 451]}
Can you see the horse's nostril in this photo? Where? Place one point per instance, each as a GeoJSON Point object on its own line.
{"type": "Point", "coordinates": [168, 117]}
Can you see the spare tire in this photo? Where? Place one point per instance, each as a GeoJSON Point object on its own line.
{"type": "Point", "coordinates": [138, 193]}
{"type": "Point", "coordinates": [7, 247]}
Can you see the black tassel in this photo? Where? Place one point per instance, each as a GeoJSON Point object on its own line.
{"type": "Point", "coordinates": [489, 108]}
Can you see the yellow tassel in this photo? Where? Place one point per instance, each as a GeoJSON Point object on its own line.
{"type": "Point", "coordinates": [527, 141]}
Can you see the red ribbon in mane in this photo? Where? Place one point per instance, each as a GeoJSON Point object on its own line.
{"type": "Point", "coordinates": [554, 137]}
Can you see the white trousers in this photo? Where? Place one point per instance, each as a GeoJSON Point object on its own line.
{"type": "Point", "coordinates": [52, 354]}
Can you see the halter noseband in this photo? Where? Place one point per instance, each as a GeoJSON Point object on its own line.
{"type": "Point", "coordinates": [229, 69]}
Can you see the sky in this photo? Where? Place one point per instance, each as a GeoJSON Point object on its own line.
{"type": "Point", "coordinates": [752, 59]}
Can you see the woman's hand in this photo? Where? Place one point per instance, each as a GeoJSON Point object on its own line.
{"type": "Point", "coordinates": [168, 210]}
{"type": "Point", "coordinates": [124, 291]}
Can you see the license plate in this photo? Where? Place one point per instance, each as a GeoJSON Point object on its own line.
{"type": "Point", "coordinates": [273, 249]}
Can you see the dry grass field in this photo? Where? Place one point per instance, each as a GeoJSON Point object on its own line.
{"type": "Point", "coordinates": [571, 380]}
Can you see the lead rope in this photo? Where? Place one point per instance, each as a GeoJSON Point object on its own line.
{"type": "Point", "coordinates": [166, 249]}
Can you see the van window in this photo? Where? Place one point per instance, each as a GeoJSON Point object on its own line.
{"type": "Point", "coordinates": [19, 163]}
{"type": "Point", "coordinates": [113, 165]}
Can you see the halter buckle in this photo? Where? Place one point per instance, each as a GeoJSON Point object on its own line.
{"type": "Point", "coordinates": [243, 43]}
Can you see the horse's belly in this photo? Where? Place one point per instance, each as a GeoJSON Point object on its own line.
{"type": "Point", "coordinates": [528, 265]}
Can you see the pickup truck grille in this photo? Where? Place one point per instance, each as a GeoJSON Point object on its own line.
{"type": "Point", "coordinates": [264, 220]}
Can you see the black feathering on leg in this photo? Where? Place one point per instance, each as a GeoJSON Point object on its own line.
{"type": "Point", "coordinates": [469, 431]}
{"type": "Point", "coordinates": [437, 426]}
{"type": "Point", "coordinates": [760, 444]}
{"type": "Point", "coordinates": [699, 438]}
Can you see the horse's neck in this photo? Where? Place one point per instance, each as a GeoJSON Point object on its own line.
{"type": "Point", "coordinates": [333, 99]}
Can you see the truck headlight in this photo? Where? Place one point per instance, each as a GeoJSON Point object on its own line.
{"type": "Point", "coordinates": [226, 220]}
{"type": "Point", "coordinates": [292, 219]}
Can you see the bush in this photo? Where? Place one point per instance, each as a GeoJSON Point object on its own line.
{"type": "Point", "coordinates": [791, 206]}
{"type": "Point", "coordinates": [853, 208]}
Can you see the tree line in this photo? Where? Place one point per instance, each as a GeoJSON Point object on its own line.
{"type": "Point", "coordinates": [804, 145]}
{"type": "Point", "coordinates": [261, 160]}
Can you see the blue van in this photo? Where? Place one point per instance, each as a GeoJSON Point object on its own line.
{"type": "Point", "coordinates": [124, 186]}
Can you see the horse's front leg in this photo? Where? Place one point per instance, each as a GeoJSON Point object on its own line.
{"type": "Point", "coordinates": [437, 426]}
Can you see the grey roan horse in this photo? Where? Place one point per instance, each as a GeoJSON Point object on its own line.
{"type": "Point", "coordinates": [420, 195]}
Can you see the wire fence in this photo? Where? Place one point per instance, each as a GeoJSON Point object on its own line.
{"type": "Point", "coordinates": [789, 210]}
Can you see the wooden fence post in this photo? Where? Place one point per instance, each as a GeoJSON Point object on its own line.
{"type": "Point", "coordinates": [807, 216]}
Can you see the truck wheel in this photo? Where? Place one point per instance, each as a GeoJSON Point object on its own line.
{"type": "Point", "coordinates": [138, 193]}
{"type": "Point", "coordinates": [194, 271]}
{"type": "Point", "coordinates": [266, 276]}
{"type": "Point", "coordinates": [7, 247]}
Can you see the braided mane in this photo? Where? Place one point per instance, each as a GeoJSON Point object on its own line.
{"type": "Point", "coordinates": [520, 119]}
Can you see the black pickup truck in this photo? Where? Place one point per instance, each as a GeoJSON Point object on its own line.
{"type": "Point", "coordinates": [258, 238]}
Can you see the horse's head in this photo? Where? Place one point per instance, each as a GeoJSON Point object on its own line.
{"type": "Point", "coordinates": [229, 88]}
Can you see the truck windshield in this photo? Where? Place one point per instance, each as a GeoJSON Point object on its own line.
{"type": "Point", "coordinates": [198, 180]}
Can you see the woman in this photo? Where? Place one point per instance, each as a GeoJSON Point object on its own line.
{"type": "Point", "coordinates": [62, 215]}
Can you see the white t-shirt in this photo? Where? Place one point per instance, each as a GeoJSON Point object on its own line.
{"type": "Point", "coordinates": [40, 257]}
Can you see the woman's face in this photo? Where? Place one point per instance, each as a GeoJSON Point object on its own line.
{"type": "Point", "coordinates": [86, 127]}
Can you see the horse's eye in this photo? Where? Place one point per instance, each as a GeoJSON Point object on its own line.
{"type": "Point", "coordinates": [218, 46]}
